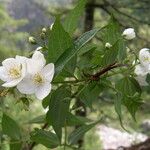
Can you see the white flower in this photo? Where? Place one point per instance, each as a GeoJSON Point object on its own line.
{"type": "Point", "coordinates": [13, 70]}
{"type": "Point", "coordinates": [108, 45]}
{"type": "Point", "coordinates": [144, 57]}
{"type": "Point", "coordinates": [141, 70]}
{"type": "Point", "coordinates": [129, 34]}
{"type": "Point", "coordinates": [39, 77]}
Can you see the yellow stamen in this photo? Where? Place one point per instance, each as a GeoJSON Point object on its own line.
{"type": "Point", "coordinates": [15, 72]}
{"type": "Point", "coordinates": [146, 59]}
{"type": "Point", "coordinates": [38, 79]}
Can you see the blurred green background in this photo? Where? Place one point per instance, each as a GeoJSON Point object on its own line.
{"type": "Point", "coordinates": [20, 19]}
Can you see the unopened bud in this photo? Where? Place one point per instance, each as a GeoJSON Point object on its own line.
{"type": "Point", "coordinates": [108, 45]}
{"type": "Point", "coordinates": [32, 40]}
{"type": "Point", "coordinates": [129, 34]}
{"type": "Point", "coordinates": [44, 30]}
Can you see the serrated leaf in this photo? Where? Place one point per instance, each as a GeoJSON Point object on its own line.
{"type": "Point", "coordinates": [71, 21]}
{"type": "Point", "coordinates": [110, 55]}
{"type": "Point", "coordinates": [58, 41]}
{"type": "Point", "coordinates": [132, 104]}
{"type": "Point", "coordinates": [118, 106]}
{"type": "Point", "coordinates": [10, 127]}
{"type": "Point", "coordinates": [89, 94]}
{"type": "Point", "coordinates": [79, 132]}
{"type": "Point", "coordinates": [111, 34]}
{"type": "Point", "coordinates": [72, 51]}
{"type": "Point", "coordinates": [58, 108]}
{"type": "Point", "coordinates": [46, 138]}
{"type": "Point", "coordinates": [128, 86]}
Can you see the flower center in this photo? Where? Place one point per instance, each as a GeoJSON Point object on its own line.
{"type": "Point", "coordinates": [15, 72]}
{"type": "Point", "coordinates": [146, 59]}
{"type": "Point", "coordinates": [38, 79]}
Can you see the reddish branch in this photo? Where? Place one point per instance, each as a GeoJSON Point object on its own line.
{"type": "Point", "coordinates": [96, 76]}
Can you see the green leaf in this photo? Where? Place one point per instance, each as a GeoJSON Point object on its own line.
{"type": "Point", "coordinates": [132, 103]}
{"type": "Point", "coordinates": [58, 41]}
{"type": "Point", "coordinates": [118, 104]}
{"type": "Point", "coordinates": [71, 21]}
{"type": "Point", "coordinates": [72, 51]}
{"type": "Point", "coordinates": [128, 86]}
{"type": "Point", "coordinates": [15, 145]}
{"type": "Point", "coordinates": [58, 108]}
{"type": "Point", "coordinates": [46, 138]}
{"type": "Point", "coordinates": [110, 55]}
{"type": "Point", "coordinates": [73, 120]}
{"type": "Point", "coordinates": [39, 119]}
{"type": "Point", "coordinates": [121, 49]}
{"type": "Point", "coordinates": [45, 102]}
{"type": "Point", "coordinates": [69, 68]}
{"type": "Point", "coordinates": [10, 127]}
{"type": "Point", "coordinates": [111, 34]}
{"type": "Point", "coordinates": [90, 94]}
{"type": "Point", "coordinates": [79, 132]}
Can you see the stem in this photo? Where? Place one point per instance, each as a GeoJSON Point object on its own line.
{"type": "Point", "coordinates": [96, 76]}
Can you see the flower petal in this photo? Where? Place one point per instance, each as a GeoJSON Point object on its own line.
{"type": "Point", "coordinates": [38, 56]}
{"type": "Point", "coordinates": [142, 80]}
{"type": "Point", "coordinates": [141, 70]}
{"type": "Point", "coordinates": [33, 66]}
{"type": "Point", "coordinates": [21, 59]}
{"type": "Point", "coordinates": [23, 70]}
{"type": "Point", "coordinates": [3, 74]}
{"type": "Point", "coordinates": [12, 83]}
{"type": "Point", "coordinates": [26, 86]}
{"type": "Point", "coordinates": [10, 62]}
{"type": "Point", "coordinates": [144, 57]}
{"type": "Point", "coordinates": [48, 72]}
{"type": "Point", "coordinates": [43, 91]}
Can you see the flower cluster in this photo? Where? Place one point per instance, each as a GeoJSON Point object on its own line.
{"type": "Point", "coordinates": [143, 68]}
{"type": "Point", "coordinates": [29, 75]}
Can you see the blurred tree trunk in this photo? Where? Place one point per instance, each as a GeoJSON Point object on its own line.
{"type": "Point", "coordinates": [88, 25]}
{"type": "Point", "coordinates": [141, 146]}
{"type": "Point", "coordinates": [89, 16]}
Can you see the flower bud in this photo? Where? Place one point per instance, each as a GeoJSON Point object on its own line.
{"type": "Point", "coordinates": [129, 34]}
{"type": "Point", "coordinates": [44, 30]}
{"type": "Point", "coordinates": [32, 40]}
{"type": "Point", "coordinates": [108, 45]}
